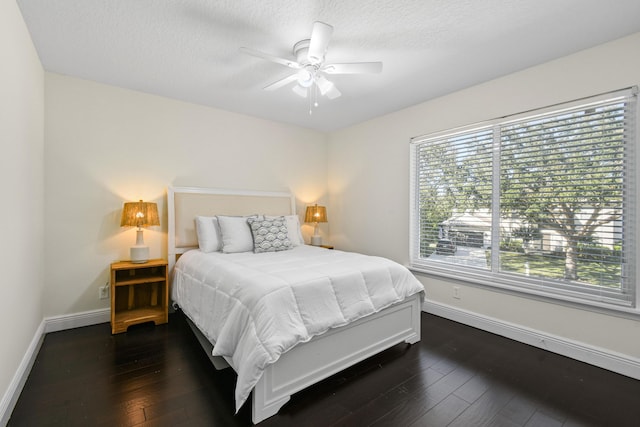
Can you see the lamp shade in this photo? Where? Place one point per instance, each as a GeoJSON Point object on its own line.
{"type": "Point", "coordinates": [139, 214]}
{"type": "Point", "coordinates": [315, 213]}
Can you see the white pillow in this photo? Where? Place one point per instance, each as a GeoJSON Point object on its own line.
{"type": "Point", "coordinates": [208, 232]}
{"type": "Point", "coordinates": [236, 234]}
{"type": "Point", "coordinates": [293, 228]}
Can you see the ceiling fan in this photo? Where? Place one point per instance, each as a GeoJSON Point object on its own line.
{"type": "Point", "coordinates": [311, 67]}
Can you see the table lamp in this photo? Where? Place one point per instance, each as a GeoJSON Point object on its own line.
{"type": "Point", "coordinates": [139, 214]}
{"type": "Point", "coordinates": [316, 214]}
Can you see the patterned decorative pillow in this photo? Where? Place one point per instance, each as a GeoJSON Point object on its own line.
{"type": "Point", "coordinates": [269, 235]}
{"type": "Point", "coordinates": [293, 224]}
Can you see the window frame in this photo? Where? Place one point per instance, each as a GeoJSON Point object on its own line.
{"type": "Point", "coordinates": [515, 282]}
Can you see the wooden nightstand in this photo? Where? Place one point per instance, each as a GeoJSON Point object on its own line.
{"type": "Point", "coordinates": [139, 294]}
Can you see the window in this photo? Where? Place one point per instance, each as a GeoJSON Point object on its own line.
{"type": "Point", "coordinates": [542, 202]}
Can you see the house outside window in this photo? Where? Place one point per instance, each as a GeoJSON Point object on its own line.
{"type": "Point", "coordinates": [541, 202]}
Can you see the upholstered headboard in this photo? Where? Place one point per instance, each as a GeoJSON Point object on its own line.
{"type": "Point", "coordinates": [185, 203]}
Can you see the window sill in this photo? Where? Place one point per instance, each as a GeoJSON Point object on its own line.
{"type": "Point", "coordinates": [618, 310]}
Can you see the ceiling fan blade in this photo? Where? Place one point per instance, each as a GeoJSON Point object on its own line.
{"type": "Point", "coordinates": [286, 62]}
{"type": "Point", "coordinates": [320, 36]}
{"type": "Point", "coordinates": [282, 82]}
{"type": "Point", "coordinates": [354, 68]}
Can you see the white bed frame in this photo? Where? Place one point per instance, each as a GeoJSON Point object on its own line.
{"type": "Point", "coordinates": [307, 363]}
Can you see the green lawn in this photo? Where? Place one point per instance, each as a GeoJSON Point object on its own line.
{"type": "Point", "coordinates": [552, 266]}
{"type": "Point", "coordinates": [549, 266]}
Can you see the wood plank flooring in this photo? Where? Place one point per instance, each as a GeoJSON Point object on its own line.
{"type": "Point", "coordinates": [456, 376]}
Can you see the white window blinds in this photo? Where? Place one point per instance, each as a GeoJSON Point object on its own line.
{"type": "Point", "coordinates": [541, 202]}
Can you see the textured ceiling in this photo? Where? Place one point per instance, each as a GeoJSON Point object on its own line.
{"type": "Point", "coordinates": [188, 49]}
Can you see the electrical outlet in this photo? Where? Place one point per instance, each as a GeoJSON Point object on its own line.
{"type": "Point", "coordinates": [456, 292]}
{"type": "Point", "coordinates": [103, 291]}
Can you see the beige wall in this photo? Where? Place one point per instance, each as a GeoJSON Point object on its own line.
{"type": "Point", "coordinates": [73, 151]}
{"type": "Point", "coordinates": [369, 183]}
{"type": "Point", "coordinates": [21, 174]}
{"type": "Point", "coordinates": [106, 145]}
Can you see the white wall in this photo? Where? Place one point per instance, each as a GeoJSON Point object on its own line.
{"type": "Point", "coordinates": [21, 214]}
{"type": "Point", "coordinates": [369, 183]}
{"type": "Point", "coordinates": [106, 145]}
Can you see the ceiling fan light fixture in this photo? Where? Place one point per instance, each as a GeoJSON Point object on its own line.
{"type": "Point", "coordinates": [324, 85]}
{"type": "Point", "coordinates": [301, 91]}
{"type": "Point", "coordinates": [305, 77]}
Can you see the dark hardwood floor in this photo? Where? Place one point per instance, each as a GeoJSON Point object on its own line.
{"type": "Point", "coordinates": [456, 376]}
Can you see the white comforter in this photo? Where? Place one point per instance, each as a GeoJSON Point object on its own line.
{"type": "Point", "coordinates": [255, 307]}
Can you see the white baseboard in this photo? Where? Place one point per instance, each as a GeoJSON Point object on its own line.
{"type": "Point", "coordinates": [77, 320]}
{"type": "Point", "coordinates": [20, 377]}
{"type": "Point", "coordinates": [619, 363]}
{"type": "Point", "coordinates": [49, 324]}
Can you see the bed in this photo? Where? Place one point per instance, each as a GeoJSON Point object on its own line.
{"type": "Point", "coordinates": [233, 300]}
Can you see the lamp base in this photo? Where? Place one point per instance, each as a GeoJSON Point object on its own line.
{"type": "Point", "coordinates": [139, 254]}
{"type": "Point", "coordinates": [316, 240]}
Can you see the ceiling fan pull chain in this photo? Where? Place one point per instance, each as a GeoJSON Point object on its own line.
{"type": "Point", "coordinates": [310, 107]}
